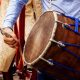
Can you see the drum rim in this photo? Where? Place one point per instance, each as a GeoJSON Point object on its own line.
{"type": "Point", "coordinates": [49, 43]}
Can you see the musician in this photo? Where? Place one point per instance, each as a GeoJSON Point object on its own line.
{"type": "Point", "coordinates": [67, 7]}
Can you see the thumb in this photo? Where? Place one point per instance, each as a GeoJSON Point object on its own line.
{"type": "Point", "coordinates": [9, 33]}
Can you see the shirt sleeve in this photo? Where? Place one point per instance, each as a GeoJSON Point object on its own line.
{"type": "Point", "coordinates": [13, 11]}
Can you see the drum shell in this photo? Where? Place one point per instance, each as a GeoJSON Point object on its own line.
{"type": "Point", "coordinates": [57, 54]}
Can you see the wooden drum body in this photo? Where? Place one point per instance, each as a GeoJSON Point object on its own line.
{"type": "Point", "coordinates": [54, 49]}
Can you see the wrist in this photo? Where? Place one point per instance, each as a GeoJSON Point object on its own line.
{"type": "Point", "coordinates": [6, 30]}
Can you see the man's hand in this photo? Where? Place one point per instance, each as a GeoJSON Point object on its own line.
{"type": "Point", "coordinates": [10, 37]}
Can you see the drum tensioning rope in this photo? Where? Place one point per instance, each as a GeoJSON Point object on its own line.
{"type": "Point", "coordinates": [76, 25]}
{"type": "Point", "coordinates": [63, 45]}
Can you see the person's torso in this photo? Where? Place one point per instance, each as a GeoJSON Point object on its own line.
{"type": "Point", "coordinates": [68, 7]}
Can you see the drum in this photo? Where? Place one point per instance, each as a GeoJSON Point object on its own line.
{"type": "Point", "coordinates": [53, 46]}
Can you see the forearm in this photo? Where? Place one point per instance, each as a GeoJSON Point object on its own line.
{"type": "Point", "coordinates": [13, 11]}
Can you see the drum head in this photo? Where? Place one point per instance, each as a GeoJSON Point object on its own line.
{"type": "Point", "coordinates": [39, 37]}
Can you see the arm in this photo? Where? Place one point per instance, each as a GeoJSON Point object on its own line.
{"type": "Point", "coordinates": [13, 11]}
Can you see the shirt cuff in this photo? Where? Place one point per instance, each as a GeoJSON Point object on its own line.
{"type": "Point", "coordinates": [7, 24]}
